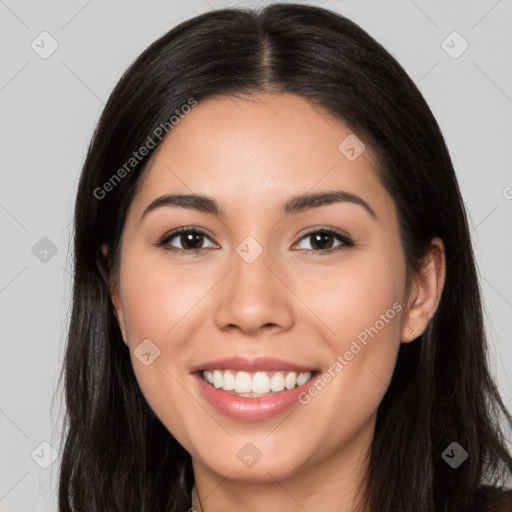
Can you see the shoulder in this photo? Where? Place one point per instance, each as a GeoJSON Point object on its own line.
{"type": "Point", "coordinates": [494, 499]}
{"type": "Point", "coordinates": [501, 504]}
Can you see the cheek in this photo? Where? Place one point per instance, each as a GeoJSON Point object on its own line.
{"type": "Point", "coordinates": [158, 303]}
{"type": "Point", "coordinates": [358, 299]}
{"type": "Point", "coordinates": [157, 295]}
{"type": "Point", "coordinates": [368, 307]}
{"type": "Point", "coordinates": [360, 307]}
{"type": "Point", "coordinates": [365, 318]}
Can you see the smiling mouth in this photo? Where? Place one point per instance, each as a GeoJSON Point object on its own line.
{"type": "Point", "coordinates": [255, 384]}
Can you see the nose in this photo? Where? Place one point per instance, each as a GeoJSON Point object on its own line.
{"type": "Point", "coordinates": [254, 297]}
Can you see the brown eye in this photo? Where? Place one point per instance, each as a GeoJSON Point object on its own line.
{"type": "Point", "coordinates": [191, 240]}
{"type": "Point", "coordinates": [323, 241]}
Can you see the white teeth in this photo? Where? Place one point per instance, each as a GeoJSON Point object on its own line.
{"type": "Point", "coordinates": [260, 383]}
{"type": "Point", "coordinates": [303, 378]}
{"type": "Point", "coordinates": [254, 384]}
{"type": "Point", "coordinates": [229, 381]}
{"type": "Point", "coordinates": [243, 382]}
{"type": "Point", "coordinates": [277, 382]}
{"type": "Point", "coordinates": [290, 381]}
{"type": "Point", "coordinates": [217, 379]}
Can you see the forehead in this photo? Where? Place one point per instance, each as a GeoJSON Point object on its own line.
{"type": "Point", "coordinates": [257, 150]}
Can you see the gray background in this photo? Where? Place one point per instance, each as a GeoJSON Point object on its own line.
{"type": "Point", "coordinates": [50, 107]}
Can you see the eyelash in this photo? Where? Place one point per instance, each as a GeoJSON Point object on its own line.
{"type": "Point", "coordinates": [346, 241]}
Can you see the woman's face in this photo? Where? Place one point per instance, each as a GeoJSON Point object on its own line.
{"type": "Point", "coordinates": [262, 302]}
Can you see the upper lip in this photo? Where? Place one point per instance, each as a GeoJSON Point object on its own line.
{"type": "Point", "coordinates": [251, 364]}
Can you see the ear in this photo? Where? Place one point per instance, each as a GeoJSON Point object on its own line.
{"type": "Point", "coordinates": [425, 291]}
{"type": "Point", "coordinates": [103, 262]}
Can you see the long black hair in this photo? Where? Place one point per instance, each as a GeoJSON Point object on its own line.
{"type": "Point", "coordinates": [117, 455]}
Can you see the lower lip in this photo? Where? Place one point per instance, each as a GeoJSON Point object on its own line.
{"type": "Point", "coordinates": [252, 408]}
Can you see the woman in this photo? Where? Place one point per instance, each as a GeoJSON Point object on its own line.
{"type": "Point", "coordinates": [275, 299]}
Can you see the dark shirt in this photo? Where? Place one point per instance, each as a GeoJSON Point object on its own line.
{"type": "Point", "coordinates": [494, 499]}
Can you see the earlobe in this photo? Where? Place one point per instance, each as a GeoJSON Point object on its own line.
{"type": "Point", "coordinates": [426, 291]}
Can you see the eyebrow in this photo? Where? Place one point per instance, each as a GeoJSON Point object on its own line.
{"type": "Point", "coordinates": [296, 204]}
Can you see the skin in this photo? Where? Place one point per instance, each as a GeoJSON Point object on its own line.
{"type": "Point", "coordinates": [252, 154]}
